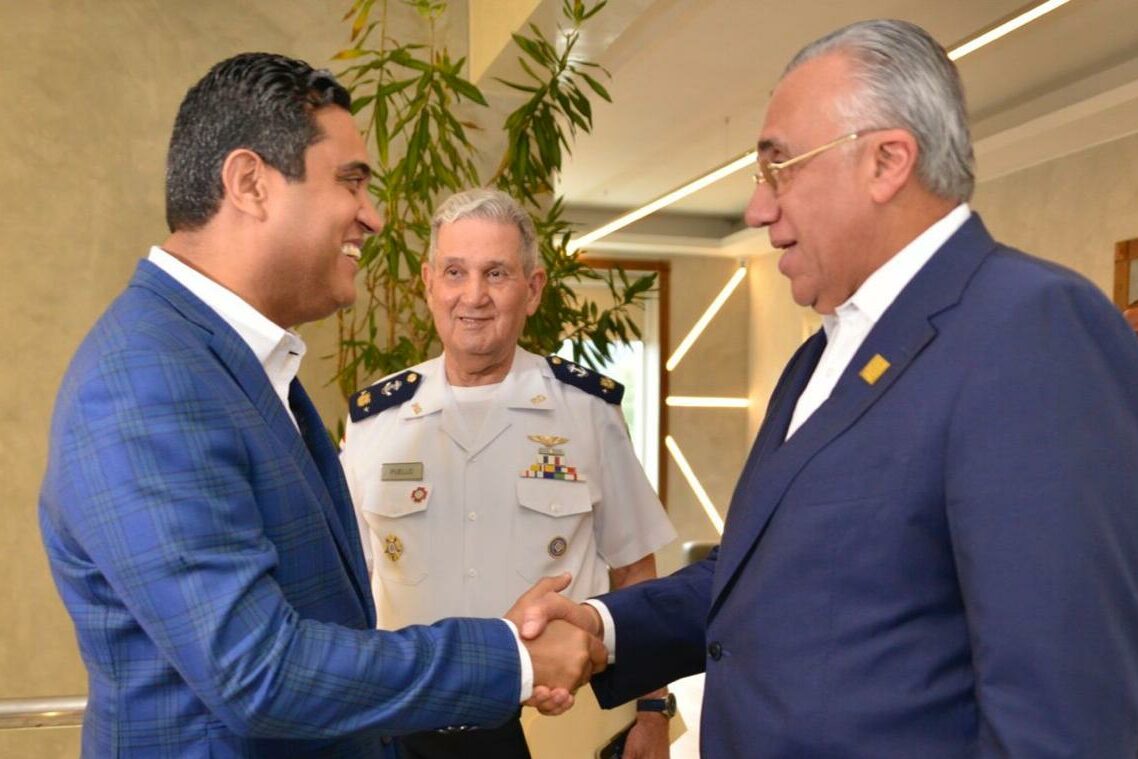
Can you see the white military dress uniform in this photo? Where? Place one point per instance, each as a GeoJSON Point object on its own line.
{"type": "Point", "coordinates": [460, 522]}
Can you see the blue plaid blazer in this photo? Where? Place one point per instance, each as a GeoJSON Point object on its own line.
{"type": "Point", "coordinates": [210, 559]}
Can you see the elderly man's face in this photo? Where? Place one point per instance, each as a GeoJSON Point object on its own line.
{"type": "Point", "coordinates": [478, 291]}
{"type": "Point", "coordinates": [818, 217]}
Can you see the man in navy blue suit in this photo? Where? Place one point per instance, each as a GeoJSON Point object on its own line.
{"type": "Point", "coordinates": [932, 550]}
{"type": "Point", "coordinates": [194, 511]}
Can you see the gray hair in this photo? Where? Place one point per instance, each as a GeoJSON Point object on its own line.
{"type": "Point", "coordinates": [492, 205]}
{"type": "Point", "coordinates": [907, 81]}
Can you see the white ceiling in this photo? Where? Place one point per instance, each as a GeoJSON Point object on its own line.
{"type": "Point", "coordinates": [691, 79]}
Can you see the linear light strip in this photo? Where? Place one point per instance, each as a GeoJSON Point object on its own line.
{"type": "Point", "coordinates": [1005, 28]}
{"type": "Point", "coordinates": [693, 481]}
{"type": "Point", "coordinates": [749, 159]}
{"type": "Point", "coordinates": [695, 401]}
{"type": "Point", "coordinates": [704, 320]}
{"type": "Point", "coordinates": [675, 195]}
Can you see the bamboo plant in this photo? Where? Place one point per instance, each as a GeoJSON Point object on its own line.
{"type": "Point", "coordinates": [420, 112]}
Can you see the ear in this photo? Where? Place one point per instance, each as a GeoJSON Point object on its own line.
{"type": "Point", "coordinates": [894, 156]}
{"type": "Point", "coordinates": [425, 272]}
{"type": "Point", "coordinates": [535, 285]}
{"type": "Point", "coordinates": [244, 178]}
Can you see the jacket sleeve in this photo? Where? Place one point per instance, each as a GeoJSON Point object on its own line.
{"type": "Point", "coordinates": [660, 632]}
{"type": "Point", "coordinates": [151, 482]}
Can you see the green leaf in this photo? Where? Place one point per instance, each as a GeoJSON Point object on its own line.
{"type": "Point", "coordinates": [348, 54]}
{"type": "Point", "coordinates": [465, 89]}
{"type": "Point", "coordinates": [516, 86]}
{"type": "Point", "coordinates": [530, 47]}
{"type": "Point", "coordinates": [360, 103]}
{"type": "Point", "coordinates": [596, 87]}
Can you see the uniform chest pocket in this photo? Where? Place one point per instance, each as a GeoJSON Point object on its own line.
{"type": "Point", "coordinates": [552, 528]}
{"type": "Point", "coordinates": [400, 533]}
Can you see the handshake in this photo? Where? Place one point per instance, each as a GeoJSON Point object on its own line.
{"type": "Point", "coordinates": [564, 643]}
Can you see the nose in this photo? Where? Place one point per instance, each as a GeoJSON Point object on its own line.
{"type": "Point", "coordinates": [474, 291]}
{"type": "Point", "coordinates": [763, 209]}
{"type": "Point", "coordinates": [368, 216]}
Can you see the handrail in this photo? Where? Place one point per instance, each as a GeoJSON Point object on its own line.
{"type": "Point", "coordinates": [60, 711]}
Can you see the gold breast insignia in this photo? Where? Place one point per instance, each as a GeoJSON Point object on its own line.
{"type": "Point", "coordinates": [551, 464]}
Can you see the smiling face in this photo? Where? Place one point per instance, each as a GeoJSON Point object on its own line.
{"type": "Point", "coordinates": [318, 225]}
{"type": "Point", "coordinates": [822, 217]}
{"type": "Point", "coordinates": [479, 296]}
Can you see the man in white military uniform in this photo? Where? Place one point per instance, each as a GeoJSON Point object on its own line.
{"type": "Point", "coordinates": [479, 472]}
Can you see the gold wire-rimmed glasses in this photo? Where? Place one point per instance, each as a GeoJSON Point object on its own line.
{"type": "Point", "coordinates": [769, 171]}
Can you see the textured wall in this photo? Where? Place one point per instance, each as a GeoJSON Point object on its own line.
{"type": "Point", "coordinates": [1071, 210]}
{"type": "Point", "coordinates": [90, 90]}
{"type": "Point", "coordinates": [714, 441]}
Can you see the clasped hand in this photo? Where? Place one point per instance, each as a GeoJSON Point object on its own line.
{"type": "Point", "coordinates": [564, 643]}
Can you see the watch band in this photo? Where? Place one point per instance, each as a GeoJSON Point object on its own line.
{"type": "Point", "coordinates": [665, 705]}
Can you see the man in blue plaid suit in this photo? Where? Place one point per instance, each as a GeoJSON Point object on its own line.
{"type": "Point", "coordinates": [194, 511]}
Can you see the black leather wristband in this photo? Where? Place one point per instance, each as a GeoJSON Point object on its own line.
{"type": "Point", "coordinates": [665, 705]}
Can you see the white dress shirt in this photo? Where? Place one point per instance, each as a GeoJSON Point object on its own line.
{"type": "Point", "coordinates": [278, 350]}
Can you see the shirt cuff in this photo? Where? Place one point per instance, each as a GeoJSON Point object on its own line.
{"type": "Point", "coordinates": [526, 689]}
{"type": "Point", "coordinates": [609, 636]}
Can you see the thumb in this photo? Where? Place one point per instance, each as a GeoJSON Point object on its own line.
{"type": "Point", "coordinates": [554, 584]}
{"type": "Point", "coordinates": [538, 611]}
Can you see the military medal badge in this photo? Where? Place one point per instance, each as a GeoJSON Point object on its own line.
{"type": "Point", "coordinates": [392, 547]}
{"type": "Point", "coordinates": [551, 463]}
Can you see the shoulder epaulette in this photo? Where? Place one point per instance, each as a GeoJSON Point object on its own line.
{"type": "Point", "coordinates": [388, 392]}
{"type": "Point", "coordinates": [581, 378]}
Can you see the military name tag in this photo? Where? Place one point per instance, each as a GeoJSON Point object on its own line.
{"type": "Point", "coordinates": [406, 471]}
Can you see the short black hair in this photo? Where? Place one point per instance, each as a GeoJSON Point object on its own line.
{"type": "Point", "coordinates": [259, 101]}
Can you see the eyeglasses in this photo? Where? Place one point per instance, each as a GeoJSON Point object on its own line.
{"type": "Point", "coordinates": [768, 171]}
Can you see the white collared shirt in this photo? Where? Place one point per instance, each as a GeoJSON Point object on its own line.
{"type": "Point", "coordinates": [278, 350]}
{"type": "Point", "coordinates": [851, 322]}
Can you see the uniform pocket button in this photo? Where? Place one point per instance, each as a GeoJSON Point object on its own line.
{"type": "Point", "coordinates": [715, 650]}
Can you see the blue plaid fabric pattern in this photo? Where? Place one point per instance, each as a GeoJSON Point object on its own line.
{"type": "Point", "coordinates": [210, 560]}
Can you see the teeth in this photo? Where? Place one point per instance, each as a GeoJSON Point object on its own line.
{"type": "Point", "coordinates": [350, 250]}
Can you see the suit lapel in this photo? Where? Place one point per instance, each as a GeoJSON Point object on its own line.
{"type": "Point", "coordinates": [238, 359]}
{"type": "Point", "coordinates": [331, 489]}
{"type": "Point", "coordinates": [899, 336]}
{"type": "Point", "coordinates": [772, 433]}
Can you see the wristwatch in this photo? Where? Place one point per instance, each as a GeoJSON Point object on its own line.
{"type": "Point", "coordinates": [665, 705]}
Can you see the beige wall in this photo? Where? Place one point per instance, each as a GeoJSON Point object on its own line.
{"type": "Point", "coordinates": [1071, 210]}
{"type": "Point", "coordinates": [90, 91]}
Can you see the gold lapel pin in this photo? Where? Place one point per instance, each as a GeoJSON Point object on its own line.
{"type": "Point", "coordinates": [874, 368]}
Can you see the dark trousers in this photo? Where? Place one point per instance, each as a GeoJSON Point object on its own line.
{"type": "Point", "coordinates": [505, 742]}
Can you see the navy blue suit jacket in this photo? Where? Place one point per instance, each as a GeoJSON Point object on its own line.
{"type": "Point", "coordinates": [942, 563]}
{"type": "Point", "coordinates": [210, 559]}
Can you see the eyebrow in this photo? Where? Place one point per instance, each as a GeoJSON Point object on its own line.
{"type": "Point", "coordinates": [355, 167]}
{"type": "Point", "coordinates": [491, 264]}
